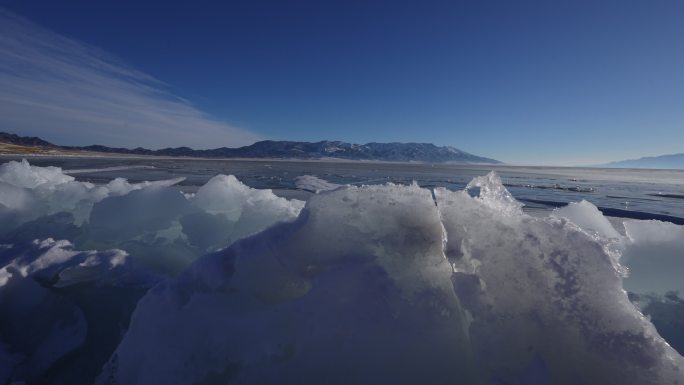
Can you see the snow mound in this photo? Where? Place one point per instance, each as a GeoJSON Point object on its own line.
{"type": "Point", "coordinates": [314, 184]}
{"type": "Point", "coordinates": [151, 221]}
{"type": "Point", "coordinates": [65, 310]}
{"type": "Point", "coordinates": [30, 192]}
{"type": "Point", "coordinates": [588, 217]}
{"type": "Point", "coordinates": [57, 263]}
{"type": "Point", "coordinates": [246, 210]}
{"type": "Point", "coordinates": [394, 285]}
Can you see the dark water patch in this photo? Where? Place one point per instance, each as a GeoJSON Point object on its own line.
{"type": "Point", "coordinates": [581, 189]}
{"type": "Point", "coordinates": [546, 203]}
{"type": "Point", "coordinates": [673, 196]}
{"type": "Point", "coordinates": [632, 199]}
{"type": "Point", "coordinates": [613, 212]}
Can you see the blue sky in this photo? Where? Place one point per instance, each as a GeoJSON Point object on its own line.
{"type": "Point", "coordinates": [527, 82]}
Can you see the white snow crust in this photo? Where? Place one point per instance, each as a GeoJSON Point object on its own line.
{"type": "Point", "coordinates": [384, 284]}
{"type": "Point", "coordinates": [394, 285]}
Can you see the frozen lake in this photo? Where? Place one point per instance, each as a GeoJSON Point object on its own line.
{"type": "Point", "coordinates": [111, 275]}
{"type": "Point", "coordinates": [630, 193]}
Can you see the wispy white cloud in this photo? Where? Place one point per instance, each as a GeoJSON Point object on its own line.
{"type": "Point", "coordinates": [73, 93]}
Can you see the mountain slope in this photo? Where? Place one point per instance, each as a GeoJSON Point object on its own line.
{"type": "Point", "coordinates": [24, 140]}
{"type": "Point", "coordinates": [392, 152]}
{"type": "Point", "coordinates": [398, 152]}
{"type": "Point", "coordinates": [662, 161]}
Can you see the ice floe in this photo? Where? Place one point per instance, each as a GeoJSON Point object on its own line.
{"type": "Point", "coordinates": [383, 284]}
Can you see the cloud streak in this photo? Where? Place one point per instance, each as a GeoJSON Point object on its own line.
{"type": "Point", "coordinates": [72, 93]}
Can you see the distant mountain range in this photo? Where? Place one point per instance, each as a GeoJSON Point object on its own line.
{"type": "Point", "coordinates": [24, 140]}
{"type": "Point", "coordinates": [662, 161]}
{"type": "Point", "coordinates": [391, 152]}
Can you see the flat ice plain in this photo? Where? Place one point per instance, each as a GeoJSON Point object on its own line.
{"type": "Point", "coordinates": [152, 271]}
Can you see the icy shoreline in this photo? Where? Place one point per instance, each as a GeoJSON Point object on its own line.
{"type": "Point", "coordinates": [372, 284]}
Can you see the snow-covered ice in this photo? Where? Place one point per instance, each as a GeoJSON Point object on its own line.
{"type": "Point", "coordinates": [150, 220]}
{"type": "Point", "coordinates": [390, 285]}
{"type": "Point", "coordinates": [314, 184]}
{"type": "Point", "coordinates": [384, 284]}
